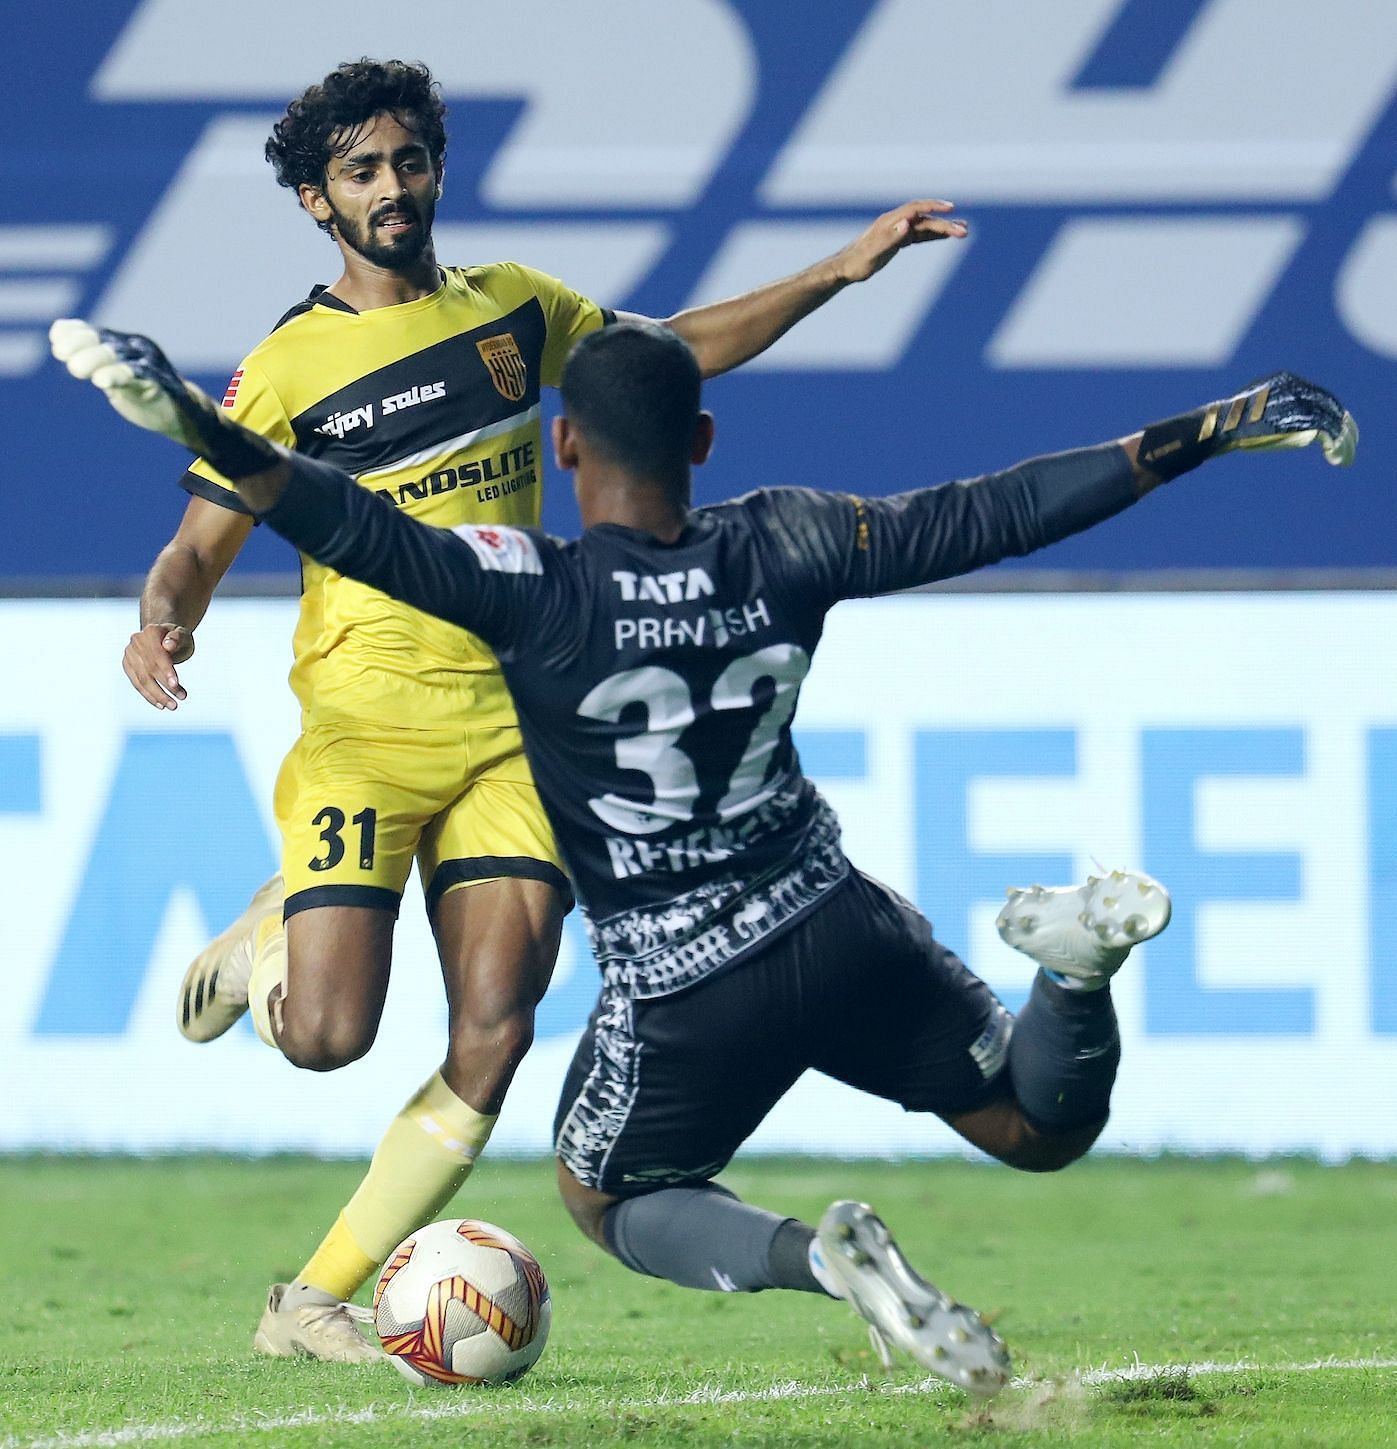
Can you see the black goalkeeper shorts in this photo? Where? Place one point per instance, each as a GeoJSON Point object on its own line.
{"type": "Point", "coordinates": [664, 1090]}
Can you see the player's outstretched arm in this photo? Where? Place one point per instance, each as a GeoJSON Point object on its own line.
{"type": "Point", "coordinates": [936, 533]}
{"type": "Point", "coordinates": [726, 334]}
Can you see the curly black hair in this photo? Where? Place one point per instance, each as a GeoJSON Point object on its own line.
{"type": "Point", "coordinates": [303, 141]}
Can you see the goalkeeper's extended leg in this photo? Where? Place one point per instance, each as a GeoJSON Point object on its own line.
{"type": "Point", "coordinates": [702, 1236]}
{"type": "Point", "coordinates": [1081, 935]}
{"type": "Point", "coordinates": [1053, 1093]}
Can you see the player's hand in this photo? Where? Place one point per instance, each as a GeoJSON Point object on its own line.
{"type": "Point", "coordinates": [134, 375]}
{"type": "Point", "coordinates": [903, 226]}
{"type": "Point", "coordinates": [150, 659]}
{"type": "Point", "coordinates": [1286, 411]}
{"type": "Point", "coordinates": [142, 385]}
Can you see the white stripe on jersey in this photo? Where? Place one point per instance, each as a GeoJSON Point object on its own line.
{"type": "Point", "coordinates": [438, 451]}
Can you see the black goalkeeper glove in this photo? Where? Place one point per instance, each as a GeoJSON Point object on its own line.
{"type": "Point", "coordinates": [1281, 411]}
{"type": "Point", "coordinates": [142, 385]}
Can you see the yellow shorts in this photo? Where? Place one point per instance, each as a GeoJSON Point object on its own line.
{"type": "Point", "coordinates": [356, 804]}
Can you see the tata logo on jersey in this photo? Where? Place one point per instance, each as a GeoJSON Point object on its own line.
{"type": "Point", "coordinates": [1143, 174]}
{"type": "Point", "coordinates": [677, 588]}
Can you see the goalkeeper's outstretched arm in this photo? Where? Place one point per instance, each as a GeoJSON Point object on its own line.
{"type": "Point", "coordinates": [869, 546]}
{"type": "Point", "coordinates": [903, 541]}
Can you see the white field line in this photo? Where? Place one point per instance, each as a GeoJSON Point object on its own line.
{"type": "Point", "coordinates": [520, 1405]}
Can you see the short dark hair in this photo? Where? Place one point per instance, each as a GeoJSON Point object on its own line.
{"type": "Point", "coordinates": [633, 389]}
{"type": "Point", "coordinates": [302, 142]}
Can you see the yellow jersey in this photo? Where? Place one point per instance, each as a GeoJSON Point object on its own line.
{"type": "Point", "coordinates": [434, 405]}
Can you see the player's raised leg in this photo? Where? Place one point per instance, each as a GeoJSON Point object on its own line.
{"type": "Point", "coordinates": [1081, 935]}
{"type": "Point", "coordinates": [315, 987]}
{"type": "Point", "coordinates": [1064, 1049]}
{"type": "Point", "coordinates": [661, 1093]}
{"type": "Point", "coordinates": [214, 992]}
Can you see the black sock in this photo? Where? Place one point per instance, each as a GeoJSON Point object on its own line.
{"type": "Point", "coordinates": [705, 1237]}
{"type": "Point", "coordinates": [1063, 1056]}
{"type": "Point", "coordinates": [790, 1257]}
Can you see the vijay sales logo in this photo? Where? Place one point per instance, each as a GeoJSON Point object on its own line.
{"type": "Point", "coordinates": [341, 422]}
{"type": "Point", "coordinates": [1178, 204]}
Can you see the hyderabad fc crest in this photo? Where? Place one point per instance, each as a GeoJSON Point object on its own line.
{"type": "Point", "coordinates": [506, 363]}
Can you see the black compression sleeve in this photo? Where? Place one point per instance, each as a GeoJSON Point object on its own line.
{"type": "Point", "coordinates": [344, 526]}
{"type": "Point", "coordinates": [937, 533]}
{"type": "Point", "coordinates": [1073, 491]}
{"type": "Point", "coordinates": [234, 451]}
{"type": "Point", "coordinates": [315, 508]}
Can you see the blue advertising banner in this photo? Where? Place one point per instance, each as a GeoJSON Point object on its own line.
{"type": "Point", "coordinates": [1167, 198]}
{"type": "Point", "coordinates": [1257, 779]}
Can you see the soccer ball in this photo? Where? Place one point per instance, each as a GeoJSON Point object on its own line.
{"type": "Point", "coordinates": [462, 1302]}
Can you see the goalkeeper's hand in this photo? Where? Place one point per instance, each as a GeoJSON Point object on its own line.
{"type": "Point", "coordinates": [129, 378]}
{"type": "Point", "coordinates": [1280, 411]}
{"type": "Point", "coordinates": [142, 385]}
{"type": "Point", "coordinates": [1286, 411]}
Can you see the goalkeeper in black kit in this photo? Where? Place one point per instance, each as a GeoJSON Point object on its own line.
{"type": "Point", "coordinates": [656, 664]}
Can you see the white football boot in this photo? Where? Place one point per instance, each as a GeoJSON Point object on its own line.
{"type": "Point", "coordinates": [326, 1331]}
{"type": "Point", "coordinates": [213, 994]}
{"type": "Point", "coordinates": [902, 1309]}
{"type": "Point", "coordinates": [1081, 934]}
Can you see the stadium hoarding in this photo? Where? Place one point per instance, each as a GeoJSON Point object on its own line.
{"type": "Point", "coordinates": [1240, 746]}
{"type": "Point", "coordinates": [1154, 222]}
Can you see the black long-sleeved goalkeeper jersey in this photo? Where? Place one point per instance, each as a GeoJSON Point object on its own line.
{"type": "Point", "coordinates": [656, 683]}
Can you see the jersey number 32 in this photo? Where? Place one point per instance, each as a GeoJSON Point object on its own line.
{"type": "Point", "coordinates": [669, 707]}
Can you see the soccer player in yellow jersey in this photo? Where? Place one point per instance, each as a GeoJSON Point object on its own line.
{"type": "Point", "coordinates": [422, 381]}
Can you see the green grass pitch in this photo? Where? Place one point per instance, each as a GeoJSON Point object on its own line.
{"type": "Point", "coordinates": [132, 1289]}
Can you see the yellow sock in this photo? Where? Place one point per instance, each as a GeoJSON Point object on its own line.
{"type": "Point", "coordinates": [424, 1157]}
{"type": "Point", "coordinates": [339, 1266]}
{"type": "Point", "coordinates": [268, 970]}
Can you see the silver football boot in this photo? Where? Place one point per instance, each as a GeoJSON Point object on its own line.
{"type": "Point", "coordinates": [902, 1309]}
{"type": "Point", "coordinates": [1084, 933]}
